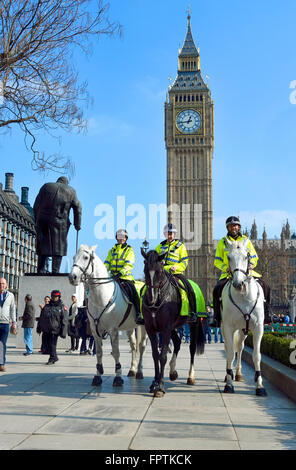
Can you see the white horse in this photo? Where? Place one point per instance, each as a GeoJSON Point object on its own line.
{"type": "Point", "coordinates": [108, 310]}
{"type": "Point", "coordinates": [242, 309]}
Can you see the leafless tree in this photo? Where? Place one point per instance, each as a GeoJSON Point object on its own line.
{"type": "Point", "coordinates": [39, 87]}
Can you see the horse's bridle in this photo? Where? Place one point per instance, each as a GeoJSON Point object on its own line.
{"type": "Point", "coordinates": [87, 277]}
{"type": "Point", "coordinates": [158, 287]}
{"type": "Point", "coordinates": [247, 272]}
{"type": "Point", "coordinates": [96, 281]}
{"type": "Point", "coordinates": [247, 316]}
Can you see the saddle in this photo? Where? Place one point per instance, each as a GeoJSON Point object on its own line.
{"type": "Point", "coordinates": [192, 298]}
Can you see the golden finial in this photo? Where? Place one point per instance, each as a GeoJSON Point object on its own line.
{"type": "Point", "coordinates": [189, 12]}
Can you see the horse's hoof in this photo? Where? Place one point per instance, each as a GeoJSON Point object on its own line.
{"type": "Point", "coordinates": [228, 389]}
{"type": "Point", "coordinates": [139, 375]}
{"type": "Point", "coordinates": [97, 381]}
{"type": "Point", "coordinates": [239, 378]}
{"type": "Point", "coordinates": [131, 373]}
{"type": "Point", "coordinates": [261, 392]}
{"type": "Point", "coordinates": [118, 382]}
{"type": "Point", "coordinates": [174, 375]}
{"type": "Point", "coordinates": [190, 381]}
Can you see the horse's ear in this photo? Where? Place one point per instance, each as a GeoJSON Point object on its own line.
{"type": "Point", "coordinates": [227, 242]}
{"type": "Point", "coordinates": [144, 254]}
{"type": "Point", "coordinates": [93, 248]}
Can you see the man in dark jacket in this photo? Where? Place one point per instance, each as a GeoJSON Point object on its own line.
{"type": "Point", "coordinates": [53, 322]}
{"type": "Point", "coordinates": [51, 211]}
{"type": "Point", "coordinates": [28, 324]}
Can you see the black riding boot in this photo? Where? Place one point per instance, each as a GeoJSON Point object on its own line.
{"type": "Point", "coordinates": [191, 298]}
{"type": "Point", "coordinates": [217, 293]}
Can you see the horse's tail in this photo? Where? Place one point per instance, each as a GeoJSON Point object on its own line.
{"type": "Point", "coordinates": [199, 338]}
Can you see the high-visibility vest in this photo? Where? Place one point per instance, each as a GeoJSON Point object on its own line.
{"type": "Point", "coordinates": [176, 254]}
{"type": "Point", "coordinates": [221, 257]}
{"type": "Point", "coordinates": [120, 260]}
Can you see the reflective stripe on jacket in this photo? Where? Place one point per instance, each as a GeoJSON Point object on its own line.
{"type": "Point", "coordinates": [176, 254]}
{"type": "Point", "coordinates": [221, 256]}
{"type": "Point", "coordinates": [121, 260]}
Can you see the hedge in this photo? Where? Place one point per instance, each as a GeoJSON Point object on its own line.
{"type": "Point", "coordinates": [274, 346]}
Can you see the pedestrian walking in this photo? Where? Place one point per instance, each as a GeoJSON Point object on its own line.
{"type": "Point", "coordinates": [72, 331]}
{"type": "Point", "coordinates": [53, 322]}
{"type": "Point", "coordinates": [28, 320]}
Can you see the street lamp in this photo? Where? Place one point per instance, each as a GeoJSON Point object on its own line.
{"type": "Point", "coordinates": [145, 245]}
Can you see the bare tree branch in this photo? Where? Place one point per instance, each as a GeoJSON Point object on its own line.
{"type": "Point", "coordinates": [39, 84]}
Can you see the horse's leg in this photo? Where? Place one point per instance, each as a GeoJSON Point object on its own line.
{"type": "Point", "coordinates": [177, 343]}
{"type": "Point", "coordinates": [132, 341]}
{"type": "Point", "coordinates": [141, 346]}
{"type": "Point", "coordinates": [240, 340]}
{"type": "Point", "coordinates": [229, 349]}
{"type": "Point", "coordinates": [166, 336]}
{"type": "Point", "coordinates": [118, 381]}
{"type": "Point", "coordinates": [155, 354]}
{"type": "Point", "coordinates": [257, 336]}
{"type": "Point", "coordinates": [97, 380]}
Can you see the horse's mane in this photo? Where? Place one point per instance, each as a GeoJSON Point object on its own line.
{"type": "Point", "coordinates": [152, 259]}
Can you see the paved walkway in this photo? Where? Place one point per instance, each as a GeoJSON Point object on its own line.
{"type": "Point", "coordinates": [55, 407]}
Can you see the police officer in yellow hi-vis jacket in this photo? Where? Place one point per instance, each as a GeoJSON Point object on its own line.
{"type": "Point", "coordinates": [176, 262]}
{"type": "Point", "coordinates": [120, 262]}
{"type": "Point", "coordinates": [221, 262]}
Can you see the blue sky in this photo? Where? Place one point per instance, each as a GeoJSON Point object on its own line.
{"type": "Point", "coordinates": [248, 52]}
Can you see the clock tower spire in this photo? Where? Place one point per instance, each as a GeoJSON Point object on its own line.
{"type": "Point", "coordinates": [189, 138]}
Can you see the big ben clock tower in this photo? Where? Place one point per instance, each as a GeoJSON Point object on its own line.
{"type": "Point", "coordinates": [189, 138]}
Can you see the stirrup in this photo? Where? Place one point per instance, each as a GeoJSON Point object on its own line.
{"type": "Point", "coordinates": [192, 318]}
{"type": "Point", "coordinates": [139, 320]}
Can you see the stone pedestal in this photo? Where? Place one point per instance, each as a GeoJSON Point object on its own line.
{"type": "Point", "coordinates": [40, 285]}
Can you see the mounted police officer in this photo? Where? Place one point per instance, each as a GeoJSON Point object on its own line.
{"type": "Point", "coordinates": [176, 262]}
{"type": "Point", "coordinates": [120, 262]}
{"type": "Point", "coordinates": [233, 226]}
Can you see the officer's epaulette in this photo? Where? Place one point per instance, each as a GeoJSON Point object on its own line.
{"type": "Point", "coordinates": [177, 246]}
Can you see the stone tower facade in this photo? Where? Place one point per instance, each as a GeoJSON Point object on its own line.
{"type": "Point", "coordinates": [189, 138]}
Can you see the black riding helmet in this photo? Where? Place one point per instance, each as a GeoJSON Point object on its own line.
{"type": "Point", "coordinates": [232, 220]}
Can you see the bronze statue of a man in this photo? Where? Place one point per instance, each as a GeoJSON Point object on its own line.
{"type": "Point", "coordinates": [51, 210]}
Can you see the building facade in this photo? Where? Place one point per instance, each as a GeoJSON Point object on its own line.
{"type": "Point", "coordinates": [189, 139]}
{"type": "Point", "coordinates": [18, 236]}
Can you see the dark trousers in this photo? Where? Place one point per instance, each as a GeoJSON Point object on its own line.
{"type": "Point", "coordinates": [132, 291]}
{"type": "Point", "coordinates": [50, 342]}
{"type": "Point", "coordinates": [56, 263]}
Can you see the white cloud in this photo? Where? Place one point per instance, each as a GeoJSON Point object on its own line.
{"type": "Point", "coordinates": [149, 88]}
{"type": "Point", "coordinates": [103, 125]}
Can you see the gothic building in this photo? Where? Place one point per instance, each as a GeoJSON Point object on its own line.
{"type": "Point", "coordinates": [18, 237]}
{"type": "Point", "coordinates": [189, 139]}
{"type": "Point", "coordinates": [277, 262]}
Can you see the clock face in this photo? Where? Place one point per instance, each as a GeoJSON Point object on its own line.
{"type": "Point", "coordinates": [188, 121]}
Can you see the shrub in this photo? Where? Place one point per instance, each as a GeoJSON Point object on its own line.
{"type": "Point", "coordinates": [274, 345]}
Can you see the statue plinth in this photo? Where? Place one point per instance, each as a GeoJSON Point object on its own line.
{"type": "Point", "coordinates": [39, 286]}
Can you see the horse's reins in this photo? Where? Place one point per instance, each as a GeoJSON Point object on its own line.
{"type": "Point", "coordinates": [247, 316]}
